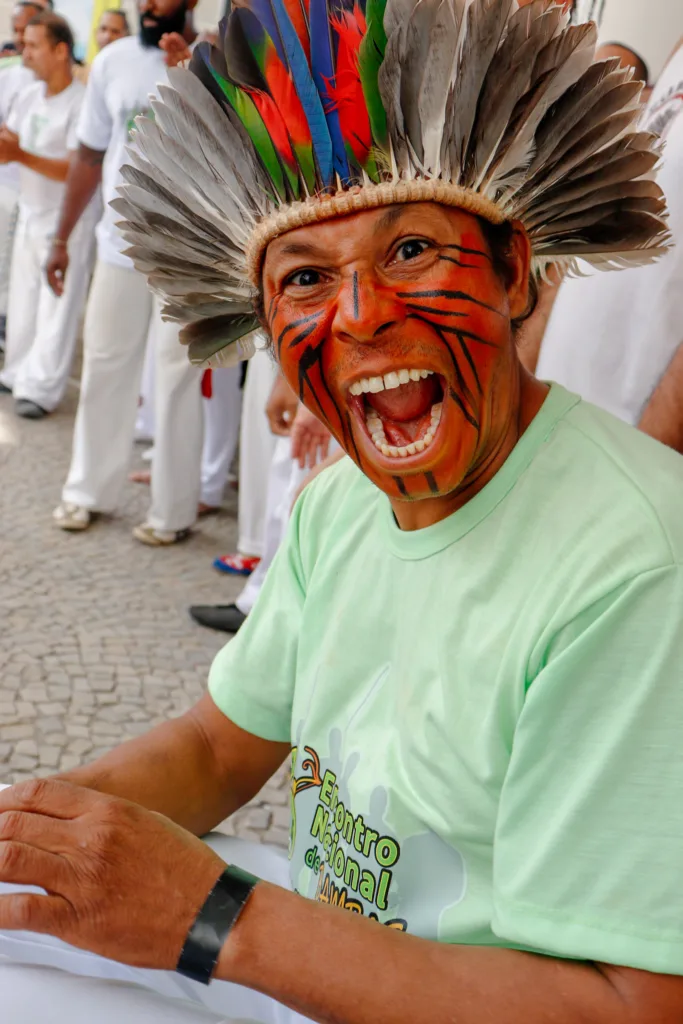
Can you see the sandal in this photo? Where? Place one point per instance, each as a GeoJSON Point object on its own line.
{"type": "Point", "coordinates": [236, 565]}
{"type": "Point", "coordinates": [153, 538]}
{"type": "Point", "coordinates": [72, 517]}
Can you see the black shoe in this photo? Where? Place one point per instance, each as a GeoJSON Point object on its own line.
{"type": "Point", "coordinates": [4, 390]}
{"type": "Point", "coordinates": [225, 617]}
{"type": "Point", "coordinates": [29, 410]}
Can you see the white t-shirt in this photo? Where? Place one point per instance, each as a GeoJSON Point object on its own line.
{"type": "Point", "coordinates": [46, 126]}
{"type": "Point", "coordinates": [122, 77]}
{"type": "Point", "coordinates": [14, 80]}
{"type": "Point", "coordinates": [612, 335]}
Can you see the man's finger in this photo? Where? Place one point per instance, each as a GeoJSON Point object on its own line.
{"type": "Point", "coordinates": [49, 796]}
{"type": "Point", "coordinates": [55, 835]}
{"type": "Point", "coordinates": [22, 864]}
{"type": "Point", "coordinates": [27, 911]}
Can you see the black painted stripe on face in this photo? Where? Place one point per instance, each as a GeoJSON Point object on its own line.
{"type": "Point", "coordinates": [462, 383]}
{"type": "Point", "coordinates": [290, 327]}
{"type": "Point", "coordinates": [458, 263]}
{"type": "Point", "coordinates": [440, 312]}
{"type": "Point", "coordinates": [356, 296]}
{"type": "Point", "coordinates": [452, 330]}
{"type": "Point", "coordinates": [467, 252]}
{"type": "Point", "coordinates": [400, 483]}
{"type": "Point", "coordinates": [446, 293]}
{"type": "Point", "coordinates": [352, 440]}
{"type": "Point", "coordinates": [431, 483]}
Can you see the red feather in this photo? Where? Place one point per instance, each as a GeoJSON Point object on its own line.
{"type": "Point", "coordinates": [346, 92]}
{"type": "Point", "coordinates": [275, 125]}
{"type": "Point", "coordinates": [298, 15]}
{"type": "Point", "coordinates": [281, 88]}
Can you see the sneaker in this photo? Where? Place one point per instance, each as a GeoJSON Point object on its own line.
{"type": "Point", "coordinates": [72, 517]}
{"type": "Point", "coordinates": [147, 534]}
{"type": "Point", "coordinates": [236, 565]}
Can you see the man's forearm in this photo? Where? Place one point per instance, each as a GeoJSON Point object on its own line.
{"type": "Point", "coordinates": [84, 175]}
{"type": "Point", "coordinates": [55, 170]}
{"type": "Point", "coordinates": [338, 968]}
{"type": "Point", "coordinates": [663, 415]}
{"type": "Point", "coordinates": [197, 769]}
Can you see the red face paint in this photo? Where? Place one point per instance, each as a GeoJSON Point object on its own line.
{"type": "Point", "coordinates": [398, 337]}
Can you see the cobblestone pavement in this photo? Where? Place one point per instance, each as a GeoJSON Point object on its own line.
{"type": "Point", "coordinates": [95, 641]}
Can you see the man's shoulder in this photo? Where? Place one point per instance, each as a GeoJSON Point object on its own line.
{"type": "Point", "coordinates": [631, 478]}
{"type": "Point", "coordinates": [118, 56]}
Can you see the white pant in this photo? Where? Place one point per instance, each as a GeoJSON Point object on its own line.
{"type": "Point", "coordinates": [8, 211]}
{"type": "Point", "coordinates": [42, 328]}
{"type": "Point", "coordinates": [121, 311]}
{"type": "Point", "coordinates": [221, 431]}
{"type": "Point", "coordinates": [256, 452]}
{"type": "Point", "coordinates": [45, 981]}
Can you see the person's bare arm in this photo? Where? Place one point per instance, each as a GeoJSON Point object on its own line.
{"type": "Point", "coordinates": [197, 770]}
{"type": "Point", "coordinates": [85, 174]}
{"type": "Point", "coordinates": [11, 152]}
{"type": "Point", "coordinates": [531, 335]}
{"type": "Point", "coordinates": [663, 414]}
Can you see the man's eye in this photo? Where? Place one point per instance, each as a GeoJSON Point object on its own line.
{"type": "Point", "coordinates": [411, 250]}
{"type": "Point", "coordinates": [304, 278]}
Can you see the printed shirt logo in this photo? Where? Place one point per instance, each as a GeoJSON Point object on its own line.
{"type": "Point", "coordinates": [353, 862]}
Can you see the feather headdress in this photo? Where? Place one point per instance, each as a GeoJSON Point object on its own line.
{"type": "Point", "coordinates": [312, 109]}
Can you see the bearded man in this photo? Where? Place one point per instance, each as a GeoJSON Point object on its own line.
{"type": "Point", "coordinates": [471, 642]}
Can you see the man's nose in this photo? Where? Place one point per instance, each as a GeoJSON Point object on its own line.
{"type": "Point", "coordinates": [366, 309]}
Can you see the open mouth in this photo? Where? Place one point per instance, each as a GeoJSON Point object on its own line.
{"type": "Point", "coordinates": [401, 411]}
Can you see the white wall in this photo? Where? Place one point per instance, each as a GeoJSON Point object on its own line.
{"type": "Point", "coordinates": [651, 27]}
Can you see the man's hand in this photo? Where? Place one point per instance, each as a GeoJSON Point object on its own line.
{"type": "Point", "coordinates": [121, 881]}
{"type": "Point", "coordinates": [281, 407]}
{"type": "Point", "coordinates": [9, 146]}
{"type": "Point", "coordinates": [57, 266]}
{"type": "Point", "coordinates": [175, 49]}
{"type": "Point", "coordinates": [310, 439]}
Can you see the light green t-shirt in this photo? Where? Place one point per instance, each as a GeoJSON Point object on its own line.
{"type": "Point", "coordinates": [487, 713]}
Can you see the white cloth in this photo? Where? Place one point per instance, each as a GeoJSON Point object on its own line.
{"type": "Point", "coordinates": [8, 212]}
{"type": "Point", "coordinates": [91, 990]}
{"type": "Point", "coordinates": [612, 335]}
{"type": "Point", "coordinates": [119, 315]}
{"type": "Point", "coordinates": [13, 81]}
{"type": "Point", "coordinates": [221, 431]}
{"type": "Point", "coordinates": [144, 424]}
{"type": "Point", "coordinates": [122, 77]}
{"type": "Point", "coordinates": [46, 126]}
{"type": "Point", "coordinates": [42, 328]}
{"type": "Point", "coordinates": [257, 445]}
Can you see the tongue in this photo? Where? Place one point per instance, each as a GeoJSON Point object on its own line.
{"type": "Point", "coordinates": [409, 402]}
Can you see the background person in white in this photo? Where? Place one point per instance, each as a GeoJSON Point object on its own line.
{"type": "Point", "coordinates": [616, 338]}
{"type": "Point", "coordinates": [42, 328]}
{"type": "Point", "coordinates": [121, 311]}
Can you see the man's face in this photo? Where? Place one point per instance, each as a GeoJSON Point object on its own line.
{"type": "Point", "coordinates": [40, 53]}
{"type": "Point", "coordinates": [393, 327]}
{"type": "Point", "coordinates": [157, 17]}
{"type": "Point", "coordinates": [20, 19]}
{"type": "Point", "coordinates": [111, 27]}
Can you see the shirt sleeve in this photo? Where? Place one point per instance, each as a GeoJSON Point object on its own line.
{"type": "Point", "coordinates": [95, 124]}
{"type": "Point", "coordinates": [72, 127]}
{"type": "Point", "coordinates": [19, 109]}
{"type": "Point", "coordinates": [252, 679]}
{"type": "Point", "coordinates": [589, 837]}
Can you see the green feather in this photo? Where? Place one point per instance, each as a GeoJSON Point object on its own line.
{"type": "Point", "coordinates": [370, 57]}
{"type": "Point", "coordinates": [246, 110]}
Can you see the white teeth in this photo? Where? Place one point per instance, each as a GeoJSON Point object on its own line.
{"type": "Point", "coordinates": [410, 449]}
{"type": "Point", "coordinates": [419, 446]}
{"type": "Point", "coordinates": [388, 382]}
{"type": "Point", "coordinates": [390, 451]}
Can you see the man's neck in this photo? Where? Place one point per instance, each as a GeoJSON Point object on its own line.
{"type": "Point", "coordinates": [419, 514]}
{"type": "Point", "coordinates": [59, 80]}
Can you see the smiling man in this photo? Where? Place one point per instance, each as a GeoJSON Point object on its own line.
{"type": "Point", "coordinates": [471, 643]}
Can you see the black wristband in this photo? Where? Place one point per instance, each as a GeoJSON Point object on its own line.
{"type": "Point", "coordinates": [214, 921]}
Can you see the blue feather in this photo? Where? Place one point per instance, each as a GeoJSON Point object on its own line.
{"type": "Point", "coordinates": [263, 12]}
{"type": "Point", "coordinates": [307, 93]}
{"type": "Point", "coordinates": [322, 64]}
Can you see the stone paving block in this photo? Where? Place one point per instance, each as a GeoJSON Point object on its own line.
{"type": "Point", "coordinates": [103, 649]}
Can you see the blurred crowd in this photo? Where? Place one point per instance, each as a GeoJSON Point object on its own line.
{"type": "Point", "coordinates": [65, 128]}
